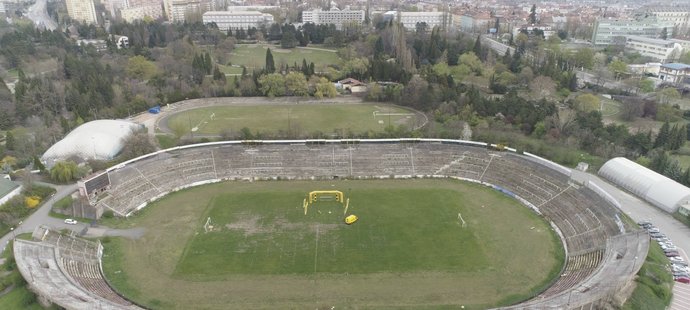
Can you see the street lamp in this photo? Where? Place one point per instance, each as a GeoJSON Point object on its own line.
{"type": "Point", "coordinates": [13, 233]}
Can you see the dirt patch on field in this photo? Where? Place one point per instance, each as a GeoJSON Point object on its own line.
{"type": "Point", "coordinates": [251, 224]}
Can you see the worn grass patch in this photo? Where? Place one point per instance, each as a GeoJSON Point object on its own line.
{"type": "Point", "coordinates": [407, 250]}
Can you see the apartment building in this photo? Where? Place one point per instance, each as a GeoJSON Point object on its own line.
{"type": "Point", "coordinates": [82, 11]}
{"type": "Point", "coordinates": [658, 49]}
{"type": "Point", "coordinates": [337, 17]}
{"type": "Point", "coordinates": [237, 19]}
{"type": "Point", "coordinates": [175, 10]}
{"type": "Point", "coordinates": [410, 19]}
{"type": "Point", "coordinates": [139, 9]}
{"type": "Point", "coordinates": [678, 16]}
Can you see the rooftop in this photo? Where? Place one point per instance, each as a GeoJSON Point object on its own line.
{"type": "Point", "coordinates": [6, 187]}
{"type": "Point", "coordinates": [676, 66]}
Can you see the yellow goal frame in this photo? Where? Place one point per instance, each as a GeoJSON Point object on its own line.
{"type": "Point", "coordinates": [314, 196]}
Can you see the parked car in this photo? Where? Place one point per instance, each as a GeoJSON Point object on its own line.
{"type": "Point", "coordinates": [681, 279]}
{"type": "Point", "coordinates": [71, 221]}
{"type": "Point", "coordinates": [653, 230]}
{"type": "Point", "coordinates": [672, 253]}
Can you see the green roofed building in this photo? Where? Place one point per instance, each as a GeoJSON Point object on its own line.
{"type": "Point", "coordinates": [8, 189]}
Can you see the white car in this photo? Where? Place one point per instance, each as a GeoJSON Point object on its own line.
{"type": "Point", "coordinates": [71, 221]}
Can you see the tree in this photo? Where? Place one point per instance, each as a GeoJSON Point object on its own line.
{"type": "Point", "coordinates": [584, 58]}
{"type": "Point", "coordinates": [10, 142]}
{"type": "Point", "coordinates": [533, 14]}
{"type": "Point", "coordinates": [289, 40]}
{"type": "Point", "coordinates": [63, 171]}
{"type": "Point", "coordinates": [477, 49]}
{"type": "Point", "coordinates": [272, 85]}
{"type": "Point", "coordinates": [667, 94]}
{"type": "Point", "coordinates": [138, 67]}
{"type": "Point", "coordinates": [378, 48]}
{"type": "Point", "coordinates": [136, 144]}
{"type": "Point", "coordinates": [324, 88]}
{"type": "Point", "coordinates": [471, 61]}
{"type": "Point", "coordinates": [663, 136]}
{"type": "Point", "coordinates": [542, 86]}
{"type": "Point", "coordinates": [296, 84]}
{"type": "Point", "coordinates": [646, 85]}
{"type": "Point", "coordinates": [587, 103]}
{"type": "Point", "coordinates": [618, 67]}
{"type": "Point", "coordinates": [664, 34]}
{"type": "Point", "coordinates": [270, 64]}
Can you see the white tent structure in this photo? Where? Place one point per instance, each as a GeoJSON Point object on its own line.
{"type": "Point", "coordinates": [653, 187]}
{"type": "Point", "coordinates": [99, 140]}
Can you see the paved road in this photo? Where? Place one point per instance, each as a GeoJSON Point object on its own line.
{"type": "Point", "coordinates": [42, 217]}
{"type": "Point", "coordinates": [38, 13]}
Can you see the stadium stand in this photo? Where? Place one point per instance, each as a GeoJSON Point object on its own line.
{"type": "Point", "coordinates": [66, 271]}
{"type": "Point", "coordinates": [586, 221]}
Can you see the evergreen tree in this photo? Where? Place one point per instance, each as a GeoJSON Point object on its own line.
{"type": "Point", "coordinates": [10, 142]}
{"type": "Point", "coordinates": [311, 69]}
{"type": "Point", "coordinates": [305, 68]}
{"type": "Point", "coordinates": [477, 49]}
{"type": "Point", "coordinates": [663, 136]}
{"type": "Point", "coordinates": [208, 64]}
{"type": "Point", "coordinates": [378, 48]}
{"type": "Point", "coordinates": [507, 59]}
{"type": "Point", "coordinates": [533, 14]}
{"type": "Point", "coordinates": [270, 65]}
{"type": "Point", "coordinates": [664, 34]}
{"type": "Point", "coordinates": [229, 32]}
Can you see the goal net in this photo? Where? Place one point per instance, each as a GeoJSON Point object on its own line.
{"type": "Point", "coordinates": [316, 196]}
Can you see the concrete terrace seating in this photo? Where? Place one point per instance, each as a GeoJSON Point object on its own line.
{"type": "Point", "coordinates": [585, 220]}
{"type": "Point", "coordinates": [66, 271]}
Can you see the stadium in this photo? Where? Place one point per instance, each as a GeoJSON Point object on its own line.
{"type": "Point", "coordinates": [603, 251]}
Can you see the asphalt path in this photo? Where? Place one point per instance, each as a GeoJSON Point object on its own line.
{"type": "Point", "coordinates": [42, 217]}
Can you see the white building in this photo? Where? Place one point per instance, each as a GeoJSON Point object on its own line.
{"type": "Point", "coordinates": [336, 17]}
{"type": "Point", "coordinates": [235, 20]}
{"type": "Point", "coordinates": [546, 29]}
{"type": "Point", "coordinates": [654, 188]}
{"type": "Point", "coordinates": [98, 140]}
{"type": "Point", "coordinates": [658, 49]}
{"type": "Point", "coordinates": [82, 11]}
{"type": "Point", "coordinates": [410, 19]}
{"type": "Point", "coordinates": [614, 31]}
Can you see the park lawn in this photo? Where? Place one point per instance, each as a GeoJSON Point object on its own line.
{"type": "Point", "coordinates": [230, 70]}
{"type": "Point", "coordinates": [253, 56]}
{"type": "Point", "coordinates": [654, 282]}
{"type": "Point", "coordinates": [408, 248]}
{"type": "Point", "coordinates": [610, 107]}
{"type": "Point", "coordinates": [298, 120]}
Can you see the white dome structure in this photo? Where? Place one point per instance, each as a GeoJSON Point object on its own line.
{"type": "Point", "coordinates": [99, 140]}
{"type": "Point", "coordinates": [653, 187]}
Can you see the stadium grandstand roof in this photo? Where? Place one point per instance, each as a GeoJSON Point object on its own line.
{"type": "Point", "coordinates": [99, 140]}
{"type": "Point", "coordinates": [653, 187]}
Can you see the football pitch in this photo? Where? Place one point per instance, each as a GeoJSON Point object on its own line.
{"type": "Point", "coordinates": [408, 249]}
{"type": "Point", "coordinates": [297, 120]}
{"type": "Point", "coordinates": [253, 57]}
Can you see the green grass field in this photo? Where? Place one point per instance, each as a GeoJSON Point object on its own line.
{"type": "Point", "coordinates": [298, 120]}
{"type": "Point", "coordinates": [253, 56]}
{"type": "Point", "coordinates": [408, 248]}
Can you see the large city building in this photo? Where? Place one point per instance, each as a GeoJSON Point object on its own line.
{"type": "Point", "coordinates": [678, 17]}
{"type": "Point", "coordinates": [410, 19]}
{"type": "Point", "coordinates": [82, 11]}
{"type": "Point", "coordinates": [336, 17]}
{"type": "Point", "coordinates": [658, 49]}
{"type": "Point", "coordinates": [237, 19]}
{"type": "Point", "coordinates": [139, 9]}
{"type": "Point", "coordinates": [176, 10]}
{"type": "Point", "coordinates": [614, 31]}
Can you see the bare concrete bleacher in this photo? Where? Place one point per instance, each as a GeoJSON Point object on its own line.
{"type": "Point", "coordinates": [66, 271]}
{"type": "Point", "coordinates": [585, 221]}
